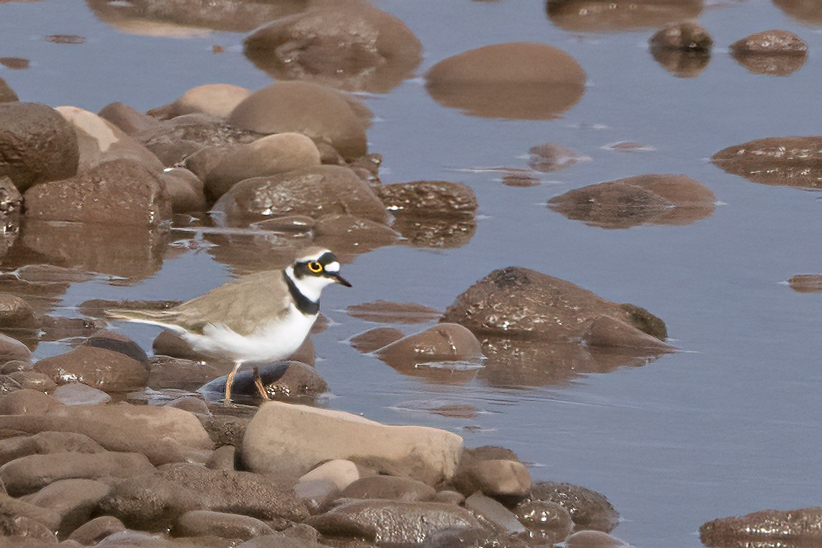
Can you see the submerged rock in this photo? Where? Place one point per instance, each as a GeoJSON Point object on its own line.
{"type": "Point", "coordinates": [806, 283]}
{"type": "Point", "coordinates": [376, 338]}
{"type": "Point", "coordinates": [428, 199]}
{"type": "Point", "coordinates": [788, 161]}
{"type": "Point", "coordinates": [323, 114]}
{"type": "Point", "coordinates": [519, 302]}
{"type": "Point", "coordinates": [353, 46]}
{"type": "Point", "coordinates": [620, 15]}
{"type": "Point", "coordinates": [588, 509]}
{"type": "Point", "coordinates": [313, 191]}
{"type": "Point", "coordinates": [522, 80]}
{"type": "Point", "coordinates": [289, 439]}
{"type": "Point", "coordinates": [444, 347]}
{"type": "Point", "coordinates": [119, 192]}
{"type": "Point", "coordinates": [682, 48]}
{"type": "Point", "coordinates": [384, 521]}
{"type": "Point", "coordinates": [546, 521]}
{"type": "Point", "coordinates": [623, 203]}
{"type": "Point", "coordinates": [37, 145]}
{"type": "Point", "coordinates": [802, 527]}
{"type": "Point", "coordinates": [775, 52]}
{"type": "Point", "coordinates": [290, 381]}
{"type": "Point", "coordinates": [549, 157]}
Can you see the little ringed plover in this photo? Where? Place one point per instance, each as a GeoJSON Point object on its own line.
{"type": "Point", "coordinates": [261, 317]}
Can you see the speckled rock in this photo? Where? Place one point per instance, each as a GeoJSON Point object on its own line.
{"type": "Point", "coordinates": [314, 191]}
{"type": "Point", "coordinates": [37, 145]}
{"type": "Point", "coordinates": [519, 302]}
{"type": "Point", "coordinates": [522, 80]}
{"type": "Point", "coordinates": [788, 161]}
{"type": "Point", "coordinates": [383, 521]}
{"type": "Point", "coordinates": [623, 203]}
{"type": "Point", "coordinates": [322, 113]}
{"type": "Point", "coordinates": [290, 439]}
{"type": "Point", "coordinates": [620, 15]}
{"type": "Point", "coordinates": [684, 35]}
{"type": "Point", "coordinates": [764, 528]}
{"type": "Point", "coordinates": [546, 521]}
{"type": "Point", "coordinates": [773, 52]}
{"type": "Point", "coordinates": [99, 368]}
{"type": "Point", "coordinates": [428, 198]}
{"type": "Point", "coordinates": [445, 342]}
{"type": "Point", "coordinates": [119, 192]}
{"type": "Point", "coordinates": [16, 313]}
{"type": "Point", "coordinates": [588, 509]}
{"type": "Point", "coordinates": [354, 46]}
{"type": "Point", "coordinates": [174, 140]}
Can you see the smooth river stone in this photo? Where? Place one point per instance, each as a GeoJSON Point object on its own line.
{"type": "Point", "coordinates": [788, 161]}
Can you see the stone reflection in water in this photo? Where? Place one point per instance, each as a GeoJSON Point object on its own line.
{"type": "Point", "coordinates": [182, 17]}
{"type": "Point", "coordinates": [522, 81]}
{"type": "Point", "coordinates": [609, 16]}
{"type": "Point", "coordinates": [354, 47]}
{"type": "Point", "coordinates": [632, 201]}
{"type": "Point", "coordinates": [435, 232]}
{"type": "Point", "coordinates": [513, 363]}
{"type": "Point", "coordinates": [683, 49]}
{"type": "Point", "coordinates": [255, 251]}
{"type": "Point", "coordinates": [129, 252]}
{"type": "Point", "coordinates": [788, 161]}
{"type": "Point", "coordinates": [774, 52]}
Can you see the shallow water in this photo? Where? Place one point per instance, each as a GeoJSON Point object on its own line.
{"type": "Point", "coordinates": [726, 427]}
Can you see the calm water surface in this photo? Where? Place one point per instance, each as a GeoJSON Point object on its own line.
{"type": "Point", "coordinates": [728, 426]}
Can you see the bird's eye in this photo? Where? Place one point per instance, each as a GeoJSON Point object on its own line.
{"type": "Point", "coordinates": [315, 267]}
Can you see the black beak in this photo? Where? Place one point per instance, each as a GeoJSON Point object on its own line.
{"type": "Point", "coordinates": [340, 280]}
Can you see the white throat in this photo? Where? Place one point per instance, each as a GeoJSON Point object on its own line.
{"type": "Point", "coordinates": [310, 286]}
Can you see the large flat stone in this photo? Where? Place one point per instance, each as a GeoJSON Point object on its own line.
{"type": "Point", "coordinates": [290, 439]}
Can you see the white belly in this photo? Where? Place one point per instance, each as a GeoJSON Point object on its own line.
{"type": "Point", "coordinates": [272, 342]}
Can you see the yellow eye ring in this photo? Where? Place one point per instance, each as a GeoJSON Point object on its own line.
{"type": "Point", "coordinates": [315, 267]}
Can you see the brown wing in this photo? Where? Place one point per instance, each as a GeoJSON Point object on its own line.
{"type": "Point", "coordinates": [241, 305]}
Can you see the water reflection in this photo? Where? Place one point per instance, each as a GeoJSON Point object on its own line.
{"type": "Point", "coordinates": [179, 18]}
{"type": "Point", "coordinates": [619, 15]}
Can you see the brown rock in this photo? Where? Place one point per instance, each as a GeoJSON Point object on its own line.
{"type": "Point", "coordinates": [806, 283]}
{"type": "Point", "coordinates": [623, 203]}
{"type": "Point", "coordinates": [621, 15]}
{"type": "Point", "coordinates": [765, 527]}
{"type": "Point", "coordinates": [522, 80]}
{"type": "Point", "coordinates": [353, 46]}
{"type": "Point", "coordinates": [349, 234]}
{"type": "Point", "coordinates": [16, 312]}
{"type": "Point", "coordinates": [37, 145]}
{"type": "Point", "coordinates": [390, 312]}
{"type": "Point", "coordinates": [16, 509]}
{"type": "Point", "coordinates": [445, 342]}
{"type": "Point", "coordinates": [266, 156]}
{"type": "Point", "coordinates": [788, 161]}
{"type": "Point", "coordinates": [518, 302]}
{"type": "Point", "coordinates": [594, 539]}
{"type": "Point", "coordinates": [389, 488]}
{"type": "Point", "coordinates": [547, 521]}
{"type": "Point", "coordinates": [198, 523]}
{"type": "Point", "coordinates": [105, 370]}
{"type": "Point", "coordinates": [12, 349]}
{"type": "Point", "coordinates": [683, 35]}
{"type": "Point", "coordinates": [119, 192]}
{"type": "Point", "coordinates": [101, 141]}
{"type": "Point", "coordinates": [384, 522]}
{"type": "Point", "coordinates": [33, 380]}
{"type": "Point", "coordinates": [271, 445]}
{"type": "Point", "coordinates": [129, 120]}
{"type": "Point", "coordinates": [376, 338]}
{"type": "Point", "coordinates": [287, 381]}
{"type": "Point", "coordinates": [435, 232]}
{"type": "Point", "coordinates": [212, 99]}
{"type": "Point", "coordinates": [588, 509]}
{"type": "Point", "coordinates": [7, 95]}
{"type": "Point", "coordinates": [186, 190]}
{"type": "Point", "coordinates": [96, 530]}
{"type": "Point", "coordinates": [77, 393]}
{"type": "Point", "coordinates": [314, 192]}
{"type": "Point", "coordinates": [72, 499]}
{"type": "Point", "coordinates": [179, 373]}
{"type": "Point", "coordinates": [33, 472]}
{"type": "Point", "coordinates": [774, 52]}
{"type": "Point", "coordinates": [428, 198]}
{"type": "Point", "coordinates": [321, 113]}
{"type": "Point", "coordinates": [174, 140]}
{"type": "Point", "coordinates": [494, 472]}
{"type": "Point", "coordinates": [117, 342]}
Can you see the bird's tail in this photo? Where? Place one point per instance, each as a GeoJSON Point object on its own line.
{"type": "Point", "coordinates": [154, 317]}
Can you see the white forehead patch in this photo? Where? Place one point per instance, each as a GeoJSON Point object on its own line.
{"type": "Point", "coordinates": [313, 256]}
{"type": "Point", "coordinates": [332, 267]}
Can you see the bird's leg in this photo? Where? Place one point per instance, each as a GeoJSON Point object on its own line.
{"type": "Point", "coordinates": [229, 381]}
{"type": "Point", "coordinates": [258, 382]}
